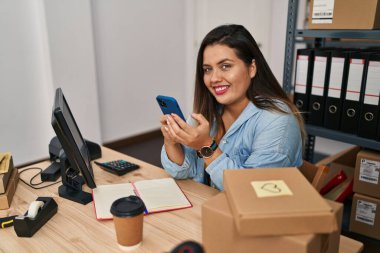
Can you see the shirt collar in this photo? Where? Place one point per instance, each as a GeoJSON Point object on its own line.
{"type": "Point", "coordinates": [249, 111]}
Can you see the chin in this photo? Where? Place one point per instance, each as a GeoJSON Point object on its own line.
{"type": "Point", "coordinates": [223, 100]}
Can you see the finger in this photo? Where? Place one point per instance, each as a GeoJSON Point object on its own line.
{"type": "Point", "coordinates": [181, 123]}
{"type": "Point", "coordinates": [163, 120]}
{"type": "Point", "coordinates": [176, 131]}
{"type": "Point", "coordinates": [199, 117]}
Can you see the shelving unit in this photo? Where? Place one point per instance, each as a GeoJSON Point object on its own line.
{"type": "Point", "coordinates": [318, 39]}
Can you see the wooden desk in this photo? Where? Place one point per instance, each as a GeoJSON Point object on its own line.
{"type": "Point", "coordinates": [75, 229]}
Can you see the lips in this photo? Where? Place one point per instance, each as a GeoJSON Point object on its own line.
{"type": "Point", "coordinates": [220, 90]}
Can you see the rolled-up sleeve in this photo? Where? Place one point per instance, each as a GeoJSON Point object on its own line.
{"type": "Point", "coordinates": [186, 170]}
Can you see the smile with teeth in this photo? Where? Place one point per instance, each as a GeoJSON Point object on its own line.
{"type": "Point", "coordinates": [221, 89]}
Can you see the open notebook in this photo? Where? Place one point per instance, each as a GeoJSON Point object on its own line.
{"type": "Point", "coordinates": [159, 195]}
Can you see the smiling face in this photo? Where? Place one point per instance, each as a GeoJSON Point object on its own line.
{"type": "Point", "coordinates": [226, 76]}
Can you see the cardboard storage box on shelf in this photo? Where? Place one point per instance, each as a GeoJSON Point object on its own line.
{"type": "Point", "coordinates": [344, 160]}
{"type": "Point", "coordinates": [219, 233]}
{"type": "Point", "coordinates": [276, 201]}
{"type": "Point", "coordinates": [365, 216]}
{"type": "Point", "coordinates": [344, 14]}
{"type": "Point", "coordinates": [6, 198]}
{"type": "Point", "coordinates": [367, 170]}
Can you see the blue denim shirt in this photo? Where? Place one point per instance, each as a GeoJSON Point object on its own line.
{"type": "Point", "coordinates": [258, 138]}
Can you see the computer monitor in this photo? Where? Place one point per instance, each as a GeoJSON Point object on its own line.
{"type": "Point", "coordinates": [76, 156]}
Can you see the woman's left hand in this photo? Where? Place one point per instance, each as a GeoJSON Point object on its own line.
{"type": "Point", "coordinates": [193, 137]}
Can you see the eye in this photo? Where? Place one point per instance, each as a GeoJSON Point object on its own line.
{"type": "Point", "coordinates": [225, 67]}
{"type": "Point", "coordinates": [207, 70]}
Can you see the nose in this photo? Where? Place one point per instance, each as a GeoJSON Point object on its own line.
{"type": "Point", "coordinates": [215, 76]}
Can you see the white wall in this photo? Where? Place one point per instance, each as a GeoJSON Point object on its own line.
{"type": "Point", "coordinates": [140, 53]}
{"type": "Point", "coordinates": [25, 81]}
{"type": "Point", "coordinates": [253, 14]}
{"type": "Point", "coordinates": [72, 56]}
{"type": "Point", "coordinates": [111, 59]}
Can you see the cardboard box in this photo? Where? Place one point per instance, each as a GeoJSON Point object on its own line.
{"type": "Point", "coordinates": [4, 177]}
{"type": "Point", "coordinates": [344, 14]}
{"type": "Point", "coordinates": [272, 201]}
{"type": "Point", "coordinates": [367, 170]}
{"type": "Point", "coordinates": [333, 240]}
{"type": "Point", "coordinates": [219, 233]}
{"type": "Point", "coordinates": [365, 216]}
{"type": "Point", "coordinates": [6, 198]}
{"type": "Point", "coordinates": [309, 170]}
{"type": "Point", "coordinates": [348, 245]}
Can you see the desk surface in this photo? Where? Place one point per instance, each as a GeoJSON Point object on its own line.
{"type": "Point", "coordinates": [75, 229]}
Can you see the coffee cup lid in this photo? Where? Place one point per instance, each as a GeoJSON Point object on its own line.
{"type": "Point", "coordinates": [127, 206]}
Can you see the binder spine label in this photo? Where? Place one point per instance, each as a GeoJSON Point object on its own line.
{"type": "Point", "coordinates": [365, 212]}
{"type": "Point", "coordinates": [323, 11]}
{"type": "Point", "coordinates": [301, 74]}
{"type": "Point", "coordinates": [336, 77]}
{"type": "Point", "coordinates": [318, 84]}
{"type": "Point", "coordinates": [372, 90]}
{"type": "Point", "coordinates": [369, 171]}
{"type": "Point", "coordinates": [354, 79]}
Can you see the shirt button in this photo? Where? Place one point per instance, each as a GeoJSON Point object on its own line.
{"type": "Point", "coordinates": [224, 141]}
{"type": "Point", "coordinates": [201, 174]}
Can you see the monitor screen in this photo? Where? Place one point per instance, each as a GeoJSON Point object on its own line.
{"type": "Point", "coordinates": [71, 139]}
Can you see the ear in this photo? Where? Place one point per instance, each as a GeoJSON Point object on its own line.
{"type": "Point", "coordinates": [252, 69]}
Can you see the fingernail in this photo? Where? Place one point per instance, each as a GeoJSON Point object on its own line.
{"type": "Point", "coordinates": [167, 130]}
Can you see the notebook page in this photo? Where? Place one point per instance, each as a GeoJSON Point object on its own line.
{"type": "Point", "coordinates": [161, 194]}
{"type": "Point", "coordinates": [105, 195]}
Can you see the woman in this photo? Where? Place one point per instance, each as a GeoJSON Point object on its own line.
{"type": "Point", "coordinates": [244, 118]}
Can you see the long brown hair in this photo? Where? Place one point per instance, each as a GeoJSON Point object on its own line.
{"type": "Point", "coordinates": [264, 90]}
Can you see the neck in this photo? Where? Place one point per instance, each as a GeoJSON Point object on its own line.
{"type": "Point", "coordinates": [234, 110]}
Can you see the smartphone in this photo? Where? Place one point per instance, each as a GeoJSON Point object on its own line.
{"type": "Point", "coordinates": [169, 105]}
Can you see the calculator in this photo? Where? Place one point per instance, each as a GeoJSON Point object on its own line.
{"type": "Point", "coordinates": [118, 167]}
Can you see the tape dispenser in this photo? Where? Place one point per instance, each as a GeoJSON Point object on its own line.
{"type": "Point", "coordinates": [39, 212]}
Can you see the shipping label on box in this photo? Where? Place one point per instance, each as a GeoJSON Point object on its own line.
{"type": "Point", "coordinates": [369, 171]}
{"type": "Point", "coordinates": [323, 11]}
{"type": "Point", "coordinates": [366, 212]}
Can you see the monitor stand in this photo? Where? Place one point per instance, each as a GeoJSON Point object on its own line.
{"type": "Point", "coordinates": [72, 182]}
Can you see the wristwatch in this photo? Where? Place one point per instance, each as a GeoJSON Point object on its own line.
{"type": "Point", "coordinates": [207, 151]}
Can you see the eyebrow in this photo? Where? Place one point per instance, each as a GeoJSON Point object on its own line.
{"type": "Point", "coordinates": [221, 61]}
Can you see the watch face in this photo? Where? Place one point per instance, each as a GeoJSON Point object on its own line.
{"type": "Point", "coordinates": [206, 151]}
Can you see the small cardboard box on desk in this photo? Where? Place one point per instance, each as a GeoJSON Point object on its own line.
{"type": "Point", "coordinates": [220, 234]}
{"type": "Point", "coordinates": [276, 201]}
{"type": "Point", "coordinates": [9, 180]}
{"type": "Point", "coordinates": [6, 167]}
{"type": "Point", "coordinates": [240, 221]}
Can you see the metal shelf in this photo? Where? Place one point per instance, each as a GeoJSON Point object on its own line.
{"type": "Point", "coordinates": [318, 38]}
{"type": "Point", "coordinates": [343, 137]}
{"type": "Point", "coordinates": [339, 34]}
